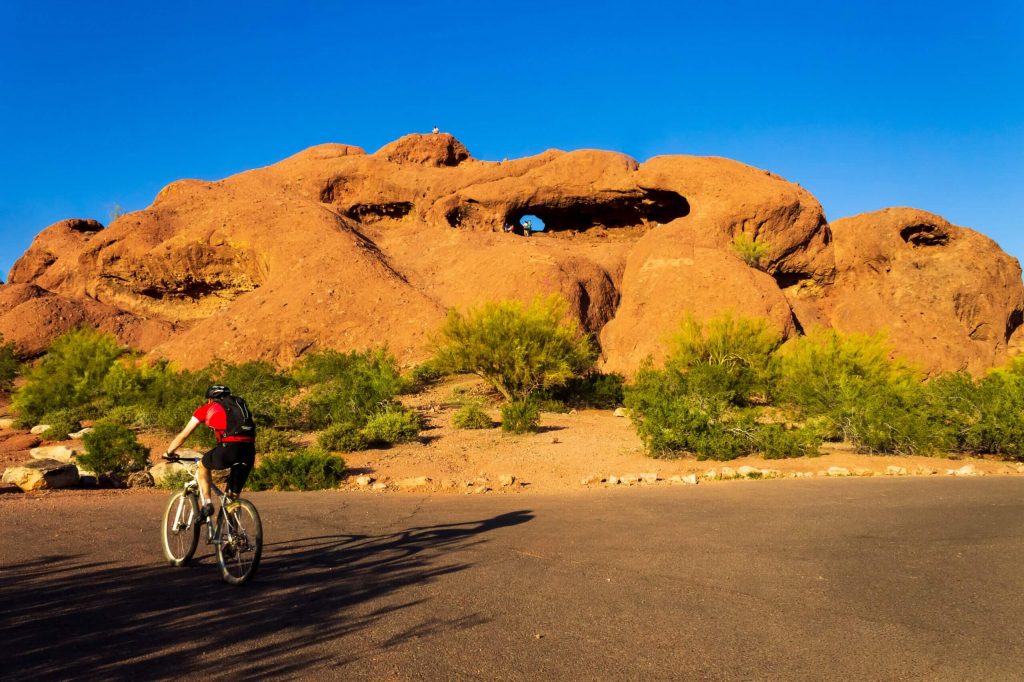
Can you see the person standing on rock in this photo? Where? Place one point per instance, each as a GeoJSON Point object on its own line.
{"type": "Point", "coordinates": [231, 421]}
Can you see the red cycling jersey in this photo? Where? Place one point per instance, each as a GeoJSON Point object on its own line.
{"type": "Point", "coordinates": [214, 416]}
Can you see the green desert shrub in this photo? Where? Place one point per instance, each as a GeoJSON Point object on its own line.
{"type": "Point", "coordinates": [749, 249]}
{"type": "Point", "coordinates": [423, 375]}
{"type": "Point", "coordinates": [471, 416]}
{"type": "Point", "coordinates": [9, 364]}
{"type": "Point", "coordinates": [70, 375]}
{"type": "Point", "coordinates": [175, 480]}
{"type": "Point", "coordinates": [876, 403]}
{"type": "Point", "coordinates": [306, 469]}
{"type": "Point", "coordinates": [268, 392]}
{"type": "Point", "coordinates": [518, 349]}
{"type": "Point", "coordinates": [392, 425]}
{"type": "Point", "coordinates": [520, 416]}
{"type": "Point", "coordinates": [342, 437]}
{"type": "Point", "coordinates": [62, 424]}
{"type": "Point", "coordinates": [113, 449]}
{"type": "Point", "coordinates": [983, 416]}
{"type": "Point", "coordinates": [728, 357]}
{"type": "Point", "coordinates": [775, 441]}
{"type": "Point", "coordinates": [346, 387]}
{"type": "Point", "coordinates": [596, 390]}
{"type": "Point", "coordinates": [276, 440]}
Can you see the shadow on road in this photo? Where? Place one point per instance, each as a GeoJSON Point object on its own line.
{"type": "Point", "coordinates": [71, 616]}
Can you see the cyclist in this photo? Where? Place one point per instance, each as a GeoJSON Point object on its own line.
{"type": "Point", "coordinates": [230, 419]}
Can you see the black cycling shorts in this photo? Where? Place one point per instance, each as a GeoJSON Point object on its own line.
{"type": "Point", "coordinates": [239, 457]}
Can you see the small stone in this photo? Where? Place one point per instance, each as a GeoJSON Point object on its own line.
{"type": "Point", "coordinates": [727, 473]}
{"type": "Point", "coordinates": [140, 479]}
{"type": "Point", "coordinates": [863, 472]}
{"type": "Point", "coordinates": [555, 441]}
{"type": "Point", "coordinates": [748, 471]}
{"type": "Point", "coordinates": [77, 435]}
{"type": "Point", "coordinates": [363, 480]}
{"type": "Point", "coordinates": [896, 471]}
{"type": "Point", "coordinates": [649, 477]}
{"type": "Point", "coordinates": [613, 480]}
{"type": "Point", "coordinates": [965, 470]}
{"type": "Point", "coordinates": [629, 479]}
{"type": "Point", "coordinates": [40, 429]}
{"type": "Point", "coordinates": [838, 471]}
{"type": "Point", "coordinates": [481, 489]}
{"type": "Point", "coordinates": [379, 486]}
{"type": "Point", "coordinates": [690, 479]}
{"type": "Point", "coordinates": [57, 452]}
{"type": "Point", "coordinates": [711, 474]}
{"type": "Point", "coordinates": [505, 480]}
{"type": "Point", "coordinates": [574, 411]}
{"type": "Point", "coordinates": [927, 471]}
{"type": "Point", "coordinates": [6, 423]}
{"type": "Point", "coordinates": [621, 412]}
{"type": "Point", "coordinates": [411, 483]}
{"type": "Point", "coordinates": [590, 480]}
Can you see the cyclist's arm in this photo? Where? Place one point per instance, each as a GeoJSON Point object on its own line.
{"type": "Point", "coordinates": [185, 433]}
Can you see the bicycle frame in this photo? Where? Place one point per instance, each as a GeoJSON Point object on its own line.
{"type": "Point", "coordinates": [192, 486]}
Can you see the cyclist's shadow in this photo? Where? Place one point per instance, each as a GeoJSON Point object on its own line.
{"type": "Point", "coordinates": [363, 552]}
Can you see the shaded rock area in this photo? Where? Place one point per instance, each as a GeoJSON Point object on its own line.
{"type": "Point", "coordinates": [42, 474]}
{"type": "Point", "coordinates": [337, 248]}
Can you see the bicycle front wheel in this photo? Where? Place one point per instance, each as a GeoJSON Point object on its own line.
{"type": "Point", "coordinates": [241, 542]}
{"type": "Point", "coordinates": [181, 528]}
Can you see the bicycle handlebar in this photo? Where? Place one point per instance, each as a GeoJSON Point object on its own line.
{"type": "Point", "coordinates": [178, 458]}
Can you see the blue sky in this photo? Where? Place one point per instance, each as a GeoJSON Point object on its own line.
{"type": "Point", "coordinates": [867, 104]}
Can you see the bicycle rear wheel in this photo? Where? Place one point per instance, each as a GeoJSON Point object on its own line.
{"type": "Point", "coordinates": [181, 528]}
{"type": "Point", "coordinates": [241, 542]}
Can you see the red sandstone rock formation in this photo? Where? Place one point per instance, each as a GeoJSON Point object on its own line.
{"type": "Point", "coordinates": [335, 248]}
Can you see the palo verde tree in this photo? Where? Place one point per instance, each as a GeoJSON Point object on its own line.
{"type": "Point", "coordinates": [518, 349]}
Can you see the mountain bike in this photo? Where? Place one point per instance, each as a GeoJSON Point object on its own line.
{"type": "Point", "coordinates": [235, 531]}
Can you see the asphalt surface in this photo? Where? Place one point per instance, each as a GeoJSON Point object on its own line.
{"type": "Point", "coordinates": [857, 579]}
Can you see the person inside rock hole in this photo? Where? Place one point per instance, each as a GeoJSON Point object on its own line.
{"type": "Point", "coordinates": [527, 226]}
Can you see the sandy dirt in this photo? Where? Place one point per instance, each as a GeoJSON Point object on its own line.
{"type": "Point", "coordinates": [570, 447]}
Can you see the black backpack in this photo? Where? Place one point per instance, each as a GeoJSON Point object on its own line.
{"type": "Point", "coordinates": [239, 417]}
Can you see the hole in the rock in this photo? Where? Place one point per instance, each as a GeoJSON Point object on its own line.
{"type": "Point", "coordinates": [1015, 320]}
{"type": "Point", "coordinates": [191, 289]}
{"type": "Point", "coordinates": [372, 212]}
{"type": "Point", "coordinates": [531, 223]}
{"type": "Point", "coordinates": [924, 235]}
{"type": "Point", "coordinates": [630, 210]}
{"type": "Point", "coordinates": [790, 279]}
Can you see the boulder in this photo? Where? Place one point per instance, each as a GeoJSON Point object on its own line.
{"type": "Point", "coordinates": [621, 412]}
{"type": "Point", "coordinates": [379, 485]}
{"type": "Point", "coordinates": [896, 470]}
{"type": "Point", "coordinates": [506, 480]}
{"type": "Point", "coordinates": [727, 473]}
{"type": "Point", "coordinates": [140, 479]}
{"type": "Point", "coordinates": [633, 248]}
{"type": "Point", "coordinates": [17, 442]}
{"type": "Point", "coordinates": [6, 423]}
{"type": "Point", "coordinates": [748, 471]}
{"type": "Point", "coordinates": [42, 474]}
{"type": "Point", "coordinates": [948, 297]}
{"type": "Point", "coordinates": [40, 429]}
{"type": "Point", "coordinates": [413, 483]}
{"type": "Point", "coordinates": [163, 470]}
{"type": "Point", "coordinates": [838, 471]}
{"type": "Point", "coordinates": [363, 480]}
{"type": "Point", "coordinates": [77, 435]}
{"type": "Point", "coordinates": [61, 453]}
{"type": "Point", "coordinates": [613, 480]}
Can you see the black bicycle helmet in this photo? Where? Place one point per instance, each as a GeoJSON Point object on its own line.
{"type": "Point", "coordinates": [217, 391]}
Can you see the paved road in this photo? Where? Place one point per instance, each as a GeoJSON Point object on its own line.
{"type": "Point", "coordinates": [832, 579]}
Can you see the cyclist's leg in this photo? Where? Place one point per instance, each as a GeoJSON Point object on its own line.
{"type": "Point", "coordinates": [214, 459]}
{"type": "Point", "coordinates": [244, 456]}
